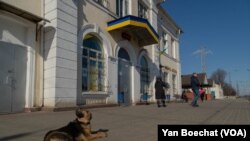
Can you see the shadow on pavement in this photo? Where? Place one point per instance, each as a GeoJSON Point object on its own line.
{"type": "Point", "coordinates": [11, 137]}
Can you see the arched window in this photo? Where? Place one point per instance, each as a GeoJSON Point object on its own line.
{"type": "Point", "coordinates": [93, 71]}
{"type": "Point", "coordinates": [123, 54]}
{"type": "Point", "coordinates": [144, 73]}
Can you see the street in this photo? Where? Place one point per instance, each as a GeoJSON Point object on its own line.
{"type": "Point", "coordinates": [134, 123]}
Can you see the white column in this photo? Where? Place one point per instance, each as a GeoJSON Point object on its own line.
{"type": "Point", "coordinates": [60, 55]}
{"type": "Point", "coordinates": [30, 67]}
{"type": "Point", "coordinates": [135, 84]}
{"type": "Point", "coordinates": [113, 80]}
{"type": "Point", "coordinates": [179, 83]}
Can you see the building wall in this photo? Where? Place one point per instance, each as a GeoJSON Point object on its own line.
{"type": "Point", "coordinates": [170, 58]}
{"type": "Point", "coordinates": [32, 6]}
{"type": "Point", "coordinates": [134, 7]}
{"type": "Point", "coordinates": [19, 34]}
{"type": "Point", "coordinates": [60, 56]}
{"type": "Point", "coordinates": [36, 8]}
{"type": "Point", "coordinates": [71, 22]}
{"type": "Point", "coordinates": [54, 50]}
{"type": "Point", "coordinates": [99, 19]}
{"type": "Point", "coordinates": [217, 91]}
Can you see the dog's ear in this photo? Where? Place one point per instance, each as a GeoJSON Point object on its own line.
{"type": "Point", "coordinates": [79, 113]}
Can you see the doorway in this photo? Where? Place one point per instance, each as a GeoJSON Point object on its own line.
{"type": "Point", "coordinates": [13, 62]}
{"type": "Point", "coordinates": [124, 78]}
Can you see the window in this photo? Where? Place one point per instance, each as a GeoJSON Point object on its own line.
{"type": "Point", "coordinates": [173, 48]}
{"type": "Point", "coordinates": [144, 73]}
{"type": "Point", "coordinates": [165, 77]}
{"type": "Point", "coordinates": [122, 7]}
{"type": "Point", "coordinates": [123, 54]}
{"type": "Point", "coordinates": [92, 65]}
{"type": "Point", "coordinates": [165, 42]}
{"type": "Point", "coordinates": [104, 3]}
{"type": "Point", "coordinates": [142, 11]}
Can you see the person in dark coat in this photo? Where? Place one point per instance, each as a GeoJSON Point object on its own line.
{"type": "Point", "coordinates": [195, 84]}
{"type": "Point", "coordinates": [159, 92]}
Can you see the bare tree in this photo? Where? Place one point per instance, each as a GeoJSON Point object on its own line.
{"type": "Point", "coordinates": [229, 90]}
{"type": "Point", "coordinates": [219, 76]}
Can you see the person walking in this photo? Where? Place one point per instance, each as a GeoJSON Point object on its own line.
{"type": "Point", "coordinates": [195, 84]}
{"type": "Point", "coordinates": [159, 92]}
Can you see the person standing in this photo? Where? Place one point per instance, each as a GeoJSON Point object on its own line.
{"type": "Point", "coordinates": [202, 94]}
{"type": "Point", "coordinates": [184, 96]}
{"type": "Point", "coordinates": [195, 84]}
{"type": "Point", "coordinates": [159, 92]}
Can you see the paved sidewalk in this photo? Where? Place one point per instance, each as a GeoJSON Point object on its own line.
{"type": "Point", "coordinates": [135, 123]}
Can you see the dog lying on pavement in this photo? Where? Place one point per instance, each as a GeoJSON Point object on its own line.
{"type": "Point", "coordinates": [77, 130]}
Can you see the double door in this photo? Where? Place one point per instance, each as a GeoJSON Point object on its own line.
{"type": "Point", "coordinates": [13, 73]}
{"type": "Point", "coordinates": [124, 82]}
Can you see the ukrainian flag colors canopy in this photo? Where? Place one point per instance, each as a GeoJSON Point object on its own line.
{"type": "Point", "coordinates": [139, 27]}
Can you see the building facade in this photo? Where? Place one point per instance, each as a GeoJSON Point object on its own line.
{"type": "Point", "coordinates": [169, 33]}
{"type": "Point", "coordinates": [89, 52]}
{"type": "Point", "coordinates": [216, 90]}
{"type": "Point", "coordinates": [21, 58]}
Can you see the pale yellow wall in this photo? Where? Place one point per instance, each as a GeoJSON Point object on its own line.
{"type": "Point", "coordinates": [92, 13]}
{"type": "Point", "coordinates": [172, 30]}
{"type": "Point", "coordinates": [134, 8]}
{"type": "Point", "coordinates": [167, 21]}
{"type": "Point", "coordinates": [32, 6]}
{"type": "Point", "coordinates": [167, 61]}
{"type": "Point", "coordinates": [112, 5]}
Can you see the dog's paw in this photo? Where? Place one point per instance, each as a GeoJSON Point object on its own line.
{"type": "Point", "coordinates": [106, 134]}
{"type": "Point", "coordinates": [102, 134]}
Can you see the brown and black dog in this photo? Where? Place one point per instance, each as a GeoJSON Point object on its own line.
{"type": "Point", "coordinates": [77, 130]}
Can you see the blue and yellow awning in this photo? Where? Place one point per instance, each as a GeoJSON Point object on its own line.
{"type": "Point", "coordinates": [139, 27]}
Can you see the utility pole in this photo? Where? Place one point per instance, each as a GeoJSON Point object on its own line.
{"type": "Point", "coordinates": [203, 52]}
{"type": "Point", "coordinates": [203, 63]}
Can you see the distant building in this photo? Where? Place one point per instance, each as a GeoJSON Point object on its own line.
{"type": "Point", "coordinates": [186, 85]}
{"type": "Point", "coordinates": [215, 90]}
{"type": "Point", "coordinates": [186, 79]}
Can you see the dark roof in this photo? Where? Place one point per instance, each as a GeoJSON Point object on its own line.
{"type": "Point", "coordinates": [187, 78]}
